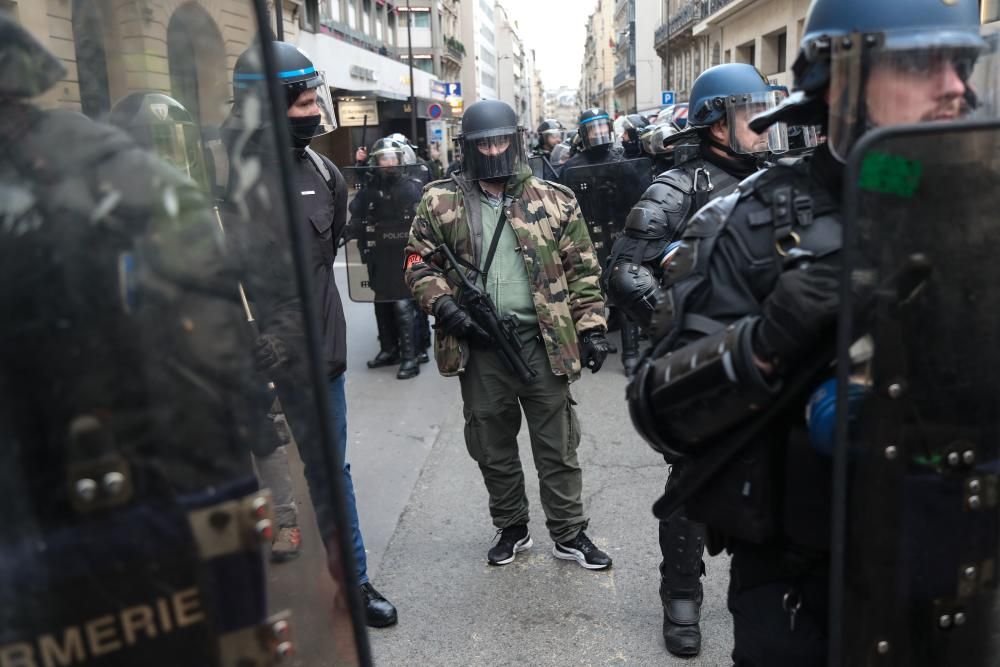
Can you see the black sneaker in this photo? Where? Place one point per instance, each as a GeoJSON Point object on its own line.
{"type": "Point", "coordinates": [583, 551]}
{"type": "Point", "coordinates": [512, 539]}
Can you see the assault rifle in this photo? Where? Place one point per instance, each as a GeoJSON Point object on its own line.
{"type": "Point", "coordinates": [502, 330]}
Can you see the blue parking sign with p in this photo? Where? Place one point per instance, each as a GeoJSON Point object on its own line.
{"type": "Point", "coordinates": [666, 97]}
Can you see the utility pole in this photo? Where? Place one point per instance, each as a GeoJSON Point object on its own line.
{"type": "Point", "coordinates": [279, 20]}
{"type": "Point", "coordinates": [413, 97]}
{"type": "Point", "coordinates": [669, 86]}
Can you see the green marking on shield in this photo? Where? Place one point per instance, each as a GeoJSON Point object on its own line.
{"type": "Point", "coordinates": [890, 174]}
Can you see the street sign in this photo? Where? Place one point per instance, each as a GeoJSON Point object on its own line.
{"type": "Point", "coordinates": [435, 128]}
{"type": "Point", "coordinates": [667, 97]}
{"type": "Point", "coordinates": [454, 89]}
{"type": "Point", "coordinates": [352, 113]}
{"type": "Point", "coordinates": [434, 110]}
{"type": "Point", "coordinates": [439, 88]}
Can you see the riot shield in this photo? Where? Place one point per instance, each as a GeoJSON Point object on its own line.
{"type": "Point", "coordinates": [383, 203]}
{"type": "Point", "coordinates": [606, 193]}
{"type": "Point", "coordinates": [916, 466]}
{"type": "Point", "coordinates": [140, 329]}
{"type": "Point", "coordinates": [542, 168]}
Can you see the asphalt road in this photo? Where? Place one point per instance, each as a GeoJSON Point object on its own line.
{"type": "Point", "coordinates": [424, 515]}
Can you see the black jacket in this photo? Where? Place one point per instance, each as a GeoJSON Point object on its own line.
{"type": "Point", "coordinates": [324, 214]}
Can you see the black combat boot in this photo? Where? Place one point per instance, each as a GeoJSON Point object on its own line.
{"type": "Point", "coordinates": [388, 354]}
{"type": "Point", "coordinates": [683, 544]}
{"type": "Point", "coordinates": [406, 324]}
{"type": "Point", "coordinates": [424, 340]}
{"type": "Point", "coordinates": [630, 344]}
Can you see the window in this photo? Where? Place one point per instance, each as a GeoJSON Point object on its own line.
{"type": "Point", "coordinates": [333, 10]}
{"type": "Point", "coordinates": [352, 14]}
{"type": "Point", "coordinates": [391, 28]}
{"type": "Point", "coordinates": [747, 53]}
{"type": "Point", "coordinates": [378, 27]}
{"type": "Point", "coordinates": [716, 59]}
{"type": "Point", "coordinates": [487, 8]}
{"type": "Point", "coordinates": [309, 19]}
{"type": "Point", "coordinates": [366, 16]}
{"type": "Point", "coordinates": [489, 80]}
{"type": "Point", "coordinates": [487, 34]}
{"type": "Point", "coordinates": [773, 58]}
{"type": "Point", "coordinates": [421, 19]}
{"type": "Point", "coordinates": [487, 57]}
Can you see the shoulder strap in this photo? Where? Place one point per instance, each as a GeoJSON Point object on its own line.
{"type": "Point", "coordinates": [320, 163]}
{"type": "Point", "coordinates": [497, 233]}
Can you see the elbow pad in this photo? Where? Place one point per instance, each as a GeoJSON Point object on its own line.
{"type": "Point", "coordinates": [632, 287]}
{"type": "Point", "coordinates": [689, 396]}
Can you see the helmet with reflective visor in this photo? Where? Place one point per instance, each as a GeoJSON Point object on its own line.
{"type": "Point", "coordinates": [735, 93]}
{"type": "Point", "coordinates": [492, 143]}
{"type": "Point", "coordinates": [297, 75]}
{"type": "Point", "coordinates": [595, 128]}
{"type": "Point", "coordinates": [161, 124]}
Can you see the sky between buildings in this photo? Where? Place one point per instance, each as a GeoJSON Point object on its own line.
{"type": "Point", "coordinates": [556, 30]}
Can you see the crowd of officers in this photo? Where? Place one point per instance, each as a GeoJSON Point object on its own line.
{"type": "Point", "coordinates": [725, 259]}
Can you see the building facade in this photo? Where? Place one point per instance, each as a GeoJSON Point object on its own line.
{"type": "Point", "coordinates": [598, 68]}
{"type": "Point", "coordinates": [697, 34]}
{"type": "Point", "coordinates": [478, 34]}
{"type": "Point", "coordinates": [435, 27]}
{"type": "Point", "coordinates": [511, 67]}
{"type": "Point", "coordinates": [637, 81]}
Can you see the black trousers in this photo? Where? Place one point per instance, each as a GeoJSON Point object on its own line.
{"type": "Point", "coordinates": [762, 623]}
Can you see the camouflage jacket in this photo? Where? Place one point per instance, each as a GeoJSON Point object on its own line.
{"type": "Point", "coordinates": [556, 249]}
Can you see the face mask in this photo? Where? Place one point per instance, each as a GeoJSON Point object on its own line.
{"type": "Point", "coordinates": [303, 129]}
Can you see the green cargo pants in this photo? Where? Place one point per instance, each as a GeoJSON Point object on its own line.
{"type": "Point", "coordinates": [493, 398]}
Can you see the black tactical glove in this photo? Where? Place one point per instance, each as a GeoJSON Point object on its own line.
{"type": "Point", "coordinates": [800, 310]}
{"type": "Point", "coordinates": [451, 317]}
{"type": "Point", "coordinates": [594, 348]}
{"type": "Point", "coordinates": [270, 352]}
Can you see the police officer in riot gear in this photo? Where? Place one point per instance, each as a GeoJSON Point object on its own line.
{"type": "Point", "coordinates": [550, 134]}
{"type": "Point", "coordinates": [747, 312]}
{"type": "Point", "coordinates": [400, 331]}
{"type": "Point", "coordinates": [596, 137]}
{"type": "Point", "coordinates": [726, 156]}
{"type": "Point", "coordinates": [323, 205]}
{"type": "Point", "coordinates": [632, 128]}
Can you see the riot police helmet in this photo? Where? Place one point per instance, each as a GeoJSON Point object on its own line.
{"type": "Point", "coordinates": [889, 63]}
{"type": "Point", "coordinates": [492, 141]}
{"type": "Point", "coordinates": [27, 68]}
{"type": "Point", "coordinates": [161, 124]}
{"type": "Point", "coordinates": [733, 94]}
{"type": "Point", "coordinates": [387, 152]}
{"type": "Point", "coordinates": [632, 126]}
{"type": "Point", "coordinates": [298, 75]}
{"type": "Point", "coordinates": [550, 133]}
{"type": "Point", "coordinates": [595, 129]}
{"type": "Point", "coordinates": [655, 139]}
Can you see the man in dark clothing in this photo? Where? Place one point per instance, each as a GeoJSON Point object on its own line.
{"type": "Point", "coordinates": [322, 195]}
{"type": "Point", "coordinates": [754, 294]}
{"type": "Point", "coordinates": [634, 272]}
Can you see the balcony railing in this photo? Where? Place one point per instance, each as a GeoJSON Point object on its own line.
{"type": "Point", "coordinates": [716, 5]}
{"type": "Point", "coordinates": [624, 75]}
{"type": "Point", "coordinates": [689, 14]}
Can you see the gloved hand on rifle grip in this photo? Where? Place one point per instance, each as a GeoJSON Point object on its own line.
{"type": "Point", "coordinates": [802, 308]}
{"type": "Point", "coordinates": [455, 321]}
{"type": "Point", "coordinates": [594, 348]}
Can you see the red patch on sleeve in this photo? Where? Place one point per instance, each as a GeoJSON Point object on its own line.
{"type": "Point", "coordinates": [413, 258]}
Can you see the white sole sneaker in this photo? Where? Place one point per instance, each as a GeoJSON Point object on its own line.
{"type": "Point", "coordinates": [521, 545]}
{"type": "Point", "coordinates": [573, 554]}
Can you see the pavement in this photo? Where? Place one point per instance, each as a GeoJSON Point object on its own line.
{"type": "Point", "coordinates": [426, 524]}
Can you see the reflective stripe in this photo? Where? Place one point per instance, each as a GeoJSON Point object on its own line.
{"type": "Point", "coordinates": [281, 75]}
{"type": "Point", "coordinates": [590, 120]}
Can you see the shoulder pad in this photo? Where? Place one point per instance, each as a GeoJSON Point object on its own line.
{"type": "Point", "coordinates": [678, 178]}
{"type": "Point", "coordinates": [763, 182]}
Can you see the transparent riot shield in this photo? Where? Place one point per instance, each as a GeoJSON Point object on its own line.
{"type": "Point", "coordinates": [606, 193]}
{"type": "Point", "coordinates": [542, 168]}
{"type": "Point", "coordinates": [146, 331]}
{"type": "Point", "coordinates": [917, 470]}
{"type": "Point", "coordinates": [383, 202]}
